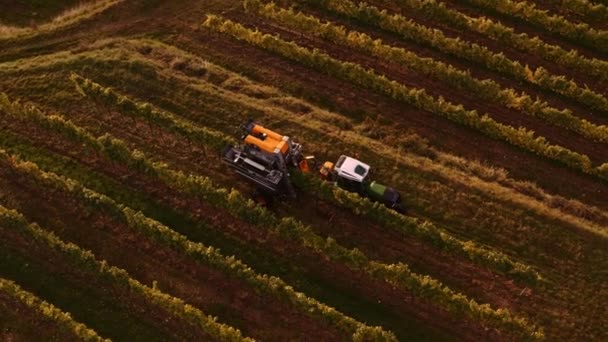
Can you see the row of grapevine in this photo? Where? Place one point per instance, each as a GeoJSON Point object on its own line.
{"type": "Point", "coordinates": [47, 310]}
{"type": "Point", "coordinates": [355, 73]}
{"type": "Point", "coordinates": [577, 32]}
{"type": "Point", "coordinates": [486, 90]}
{"type": "Point", "coordinates": [408, 225]}
{"type": "Point", "coordinates": [316, 124]}
{"type": "Point", "coordinates": [494, 183]}
{"type": "Point", "coordinates": [319, 121]}
{"type": "Point", "coordinates": [169, 121]}
{"type": "Point", "coordinates": [398, 275]}
{"type": "Point", "coordinates": [434, 38]}
{"type": "Point", "coordinates": [103, 273]}
{"type": "Point", "coordinates": [451, 171]}
{"type": "Point", "coordinates": [506, 35]}
{"type": "Point", "coordinates": [584, 8]}
{"type": "Point", "coordinates": [208, 256]}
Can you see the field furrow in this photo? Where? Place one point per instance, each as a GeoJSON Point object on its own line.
{"type": "Point", "coordinates": [488, 118]}
{"type": "Point", "coordinates": [456, 46]}
{"type": "Point", "coordinates": [448, 78]}
{"type": "Point", "coordinates": [223, 287]}
{"type": "Point", "coordinates": [25, 317]}
{"type": "Point", "coordinates": [417, 97]}
{"type": "Point", "coordinates": [577, 11]}
{"type": "Point", "coordinates": [281, 234]}
{"type": "Point", "coordinates": [87, 278]}
{"type": "Point", "coordinates": [527, 18]}
{"type": "Point", "coordinates": [507, 40]}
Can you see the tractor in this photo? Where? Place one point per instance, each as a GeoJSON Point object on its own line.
{"type": "Point", "coordinates": [353, 175]}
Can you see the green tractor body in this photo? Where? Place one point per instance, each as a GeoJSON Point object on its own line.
{"type": "Point", "coordinates": [353, 175]}
{"type": "Point", "coordinates": [375, 191]}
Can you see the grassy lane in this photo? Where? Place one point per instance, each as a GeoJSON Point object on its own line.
{"type": "Point", "coordinates": [67, 18]}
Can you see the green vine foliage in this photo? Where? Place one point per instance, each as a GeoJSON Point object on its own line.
{"type": "Point", "coordinates": [487, 90]}
{"type": "Point", "coordinates": [580, 33]}
{"type": "Point", "coordinates": [363, 207]}
{"type": "Point", "coordinates": [166, 120]}
{"type": "Point", "coordinates": [209, 256]}
{"type": "Point", "coordinates": [43, 308]}
{"type": "Point", "coordinates": [245, 209]}
{"type": "Point", "coordinates": [481, 55]}
{"type": "Point", "coordinates": [85, 260]}
{"type": "Point", "coordinates": [596, 11]}
{"type": "Point", "coordinates": [358, 75]}
{"type": "Point", "coordinates": [503, 34]}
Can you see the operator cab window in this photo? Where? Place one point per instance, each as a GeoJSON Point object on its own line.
{"type": "Point", "coordinates": [360, 170]}
{"type": "Point", "coordinates": [340, 162]}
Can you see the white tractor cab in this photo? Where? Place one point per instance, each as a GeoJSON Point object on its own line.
{"type": "Point", "coordinates": [353, 175]}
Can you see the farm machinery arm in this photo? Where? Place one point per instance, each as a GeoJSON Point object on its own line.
{"type": "Point", "coordinates": [265, 158]}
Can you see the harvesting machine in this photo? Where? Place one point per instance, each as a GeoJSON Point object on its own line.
{"type": "Point", "coordinates": [266, 159]}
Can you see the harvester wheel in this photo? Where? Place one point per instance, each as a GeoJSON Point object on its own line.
{"type": "Point", "coordinates": [262, 198]}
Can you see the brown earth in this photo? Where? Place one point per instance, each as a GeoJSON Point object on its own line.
{"type": "Point", "coordinates": [524, 57]}
{"type": "Point", "coordinates": [114, 298]}
{"type": "Point", "coordinates": [22, 323]}
{"type": "Point", "coordinates": [259, 316]}
{"type": "Point", "coordinates": [522, 26]}
{"type": "Point", "coordinates": [176, 23]}
{"type": "Point", "coordinates": [346, 98]}
{"type": "Point", "coordinates": [437, 88]}
{"type": "Point", "coordinates": [396, 301]}
{"type": "Point", "coordinates": [555, 8]}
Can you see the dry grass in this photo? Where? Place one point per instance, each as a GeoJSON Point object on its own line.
{"type": "Point", "coordinates": [67, 18]}
{"type": "Point", "coordinates": [475, 176]}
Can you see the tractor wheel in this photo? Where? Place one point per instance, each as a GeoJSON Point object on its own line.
{"type": "Point", "coordinates": [262, 198]}
{"type": "Point", "coordinates": [398, 207]}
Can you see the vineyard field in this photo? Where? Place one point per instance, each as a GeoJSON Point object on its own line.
{"type": "Point", "coordinates": [120, 220]}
